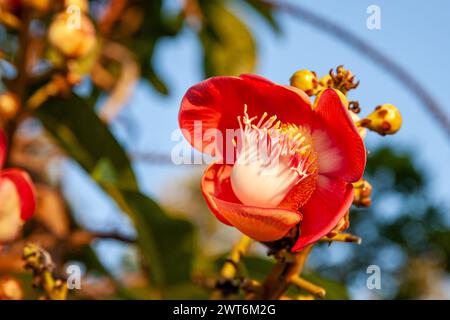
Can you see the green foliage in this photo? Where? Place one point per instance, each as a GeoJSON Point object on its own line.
{"type": "Point", "coordinates": [166, 243]}
{"type": "Point", "coordinates": [229, 48]}
{"type": "Point", "coordinates": [87, 140]}
{"type": "Point", "coordinates": [266, 12]}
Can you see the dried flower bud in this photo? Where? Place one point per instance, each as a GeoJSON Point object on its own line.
{"type": "Point", "coordinates": [10, 289]}
{"type": "Point", "coordinates": [9, 106]}
{"type": "Point", "coordinates": [385, 119]}
{"type": "Point", "coordinates": [363, 191]}
{"type": "Point", "coordinates": [72, 34]}
{"type": "Point", "coordinates": [305, 80]}
{"type": "Point", "coordinates": [343, 80]}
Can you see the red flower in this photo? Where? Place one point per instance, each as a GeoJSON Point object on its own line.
{"type": "Point", "coordinates": [17, 197]}
{"type": "Point", "coordinates": [290, 165]}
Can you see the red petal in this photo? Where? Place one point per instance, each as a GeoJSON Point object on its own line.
{"type": "Point", "coordinates": [25, 189]}
{"type": "Point", "coordinates": [329, 203]}
{"type": "Point", "coordinates": [3, 146]}
{"type": "Point", "coordinates": [261, 224]}
{"type": "Point", "coordinates": [217, 102]}
{"type": "Point", "coordinates": [216, 182]}
{"type": "Point", "coordinates": [341, 152]}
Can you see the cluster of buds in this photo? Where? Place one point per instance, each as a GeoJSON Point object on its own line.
{"type": "Point", "coordinates": [343, 80]}
{"type": "Point", "coordinates": [306, 80]}
{"type": "Point", "coordinates": [71, 32]}
{"type": "Point", "coordinates": [40, 263]}
{"type": "Point", "coordinates": [385, 119]}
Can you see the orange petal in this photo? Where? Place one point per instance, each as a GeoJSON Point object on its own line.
{"type": "Point", "coordinates": [261, 224]}
{"type": "Point", "coordinates": [216, 182]}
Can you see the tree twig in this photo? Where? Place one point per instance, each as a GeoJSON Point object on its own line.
{"type": "Point", "coordinates": [279, 279]}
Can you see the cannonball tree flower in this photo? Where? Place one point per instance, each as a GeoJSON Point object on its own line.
{"type": "Point", "coordinates": [300, 179]}
{"type": "Point", "coordinates": [17, 197]}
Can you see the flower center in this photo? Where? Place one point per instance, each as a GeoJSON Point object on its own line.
{"type": "Point", "coordinates": [272, 158]}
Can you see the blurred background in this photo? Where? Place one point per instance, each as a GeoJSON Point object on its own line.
{"type": "Point", "coordinates": [153, 52]}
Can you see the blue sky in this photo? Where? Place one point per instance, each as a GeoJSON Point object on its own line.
{"type": "Point", "coordinates": [414, 34]}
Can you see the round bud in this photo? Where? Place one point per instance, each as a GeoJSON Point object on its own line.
{"type": "Point", "coordinates": [305, 80]}
{"type": "Point", "coordinates": [72, 34]}
{"type": "Point", "coordinates": [10, 289]}
{"type": "Point", "coordinates": [385, 119]}
{"type": "Point", "coordinates": [9, 106]}
{"type": "Point", "coordinates": [326, 81]}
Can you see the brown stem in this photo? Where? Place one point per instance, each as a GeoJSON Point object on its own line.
{"type": "Point", "coordinates": [343, 237]}
{"type": "Point", "coordinates": [279, 279]}
{"type": "Point", "coordinates": [310, 287]}
{"type": "Point", "coordinates": [229, 269]}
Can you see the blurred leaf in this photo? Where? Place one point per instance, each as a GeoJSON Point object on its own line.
{"type": "Point", "coordinates": [266, 11]}
{"type": "Point", "coordinates": [162, 238]}
{"type": "Point", "coordinates": [406, 176]}
{"type": "Point", "coordinates": [156, 24]}
{"type": "Point", "coordinates": [228, 45]}
{"type": "Point", "coordinates": [166, 243]}
{"type": "Point", "coordinates": [86, 139]}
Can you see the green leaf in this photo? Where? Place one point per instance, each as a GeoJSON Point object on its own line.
{"type": "Point", "coordinates": [166, 243]}
{"type": "Point", "coordinates": [87, 139]}
{"type": "Point", "coordinates": [167, 240]}
{"type": "Point", "coordinates": [228, 45]}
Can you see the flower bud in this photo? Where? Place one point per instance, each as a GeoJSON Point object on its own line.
{"type": "Point", "coordinates": [326, 81]}
{"type": "Point", "coordinates": [343, 80]}
{"type": "Point", "coordinates": [10, 289]}
{"type": "Point", "coordinates": [9, 106]}
{"type": "Point", "coordinates": [305, 80]}
{"type": "Point", "coordinates": [385, 119]}
{"type": "Point", "coordinates": [363, 191]}
{"type": "Point", "coordinates": [72, 34]}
